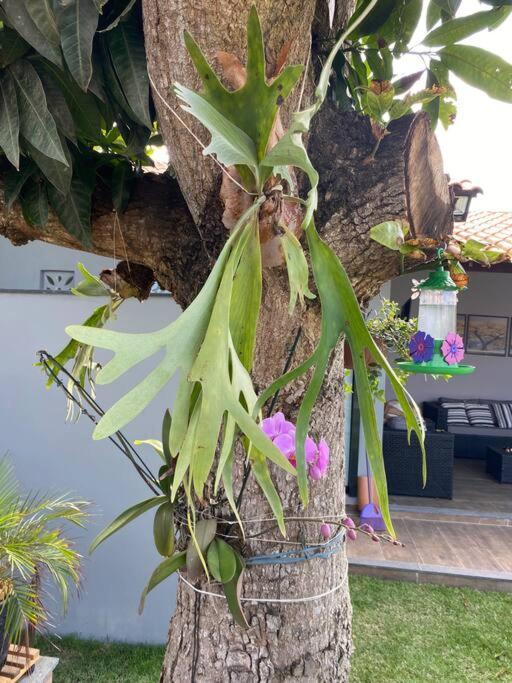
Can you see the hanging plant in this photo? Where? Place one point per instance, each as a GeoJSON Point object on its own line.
{"type": "Point", "coordinates": [211, 344]}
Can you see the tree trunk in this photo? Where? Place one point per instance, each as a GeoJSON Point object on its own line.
{"type": "Point", "coordinates": [308, 641]}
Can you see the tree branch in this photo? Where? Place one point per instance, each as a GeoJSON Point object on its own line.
{"type": "Point", "coordinates": [156, 230]}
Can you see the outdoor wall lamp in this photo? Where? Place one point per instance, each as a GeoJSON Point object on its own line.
{"type": "Point", "coordinates": [436, 348]}
{"type": "Point", "coordinates": [462, 194]}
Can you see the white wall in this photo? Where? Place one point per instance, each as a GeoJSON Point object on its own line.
{"type": "Point", "coordinates": [50, 454]}
{"type": "Point", "coordinates": [20, 268]}
{"type": "Point", "coordinates": [488, 294]}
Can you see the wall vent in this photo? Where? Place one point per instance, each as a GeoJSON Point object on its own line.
{"type": "Point", "coordinates": [57, 280]}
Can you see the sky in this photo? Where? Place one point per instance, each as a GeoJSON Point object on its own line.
{"type": "Point", "coordinates": [479, 144]}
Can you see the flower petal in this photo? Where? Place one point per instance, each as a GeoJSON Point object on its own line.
{"type": "Point", "coordinates": [311, 450]}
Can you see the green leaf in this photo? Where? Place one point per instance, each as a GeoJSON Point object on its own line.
{"type": "Point", "coordinates": [481, 69]}
{"type": "Point", "coordinates": [125, 518]}
{"type": "Point", "coordinates": [261, 473]}
{"type": "Point", "coordinates": [154, 443]}
{"type": "Point", "coordinates": [246, 299]}
{"type": "Point", "coordinates": [376, 17]}
{"type": "Point", "coordinates": [433, 14]}
{"type": "Point", "coordinates": [14, 181]}
{"type": "Point", "coordinates": [97, 319]}
{"type": "Point", "coordinates": [58, 106]}
{"type": "Point", "coordinates": [481, 252]}
{"type": "Point", "coordinates": [229, 143]}
{"type": "Point", "coordinates": [221, 559]}
{"type": "Point", "coordinates": [12, 46]}
{"type": "Point", "coordinates": [34, 203]}
{"type": "Point", "coordinates": [232, 591]}
{"type": "Point", "coordinates": [126, 46]}
{"type": "Point", "coordinates": [9, 120]}
{"type": "Point", "coordinates": [83, 106]}
{"type": "Point", "coordinates": [290, 149]}
{"type": "Point", "coordinates": [163, 529]}
{"type": "Point", "coordinates": [455, 30]}
{"type": "Point", "coordinates": [166, 432]}
{"type": "Point", "coordinates": [74, 209]}
{"type": "Point", "coordinates": [253, 107]}
{"type": "Point", "coordinates": [36, 122]}
{"type": "Point", "coordinates": [91, 285]}
{"type": "Point", "coordinates": [164, 570]}
{"type": "Point", "coordinates": [20, 20]}
{"type": "Point", "coordinates": [123, 177]}
{"type": "Point", "coordinates": [203, 535]}
{"type": "Point", "coordinates": [341, 315]}
{"type": "Point", "coordinates": [180, 340]}
{"type": "Point", "coordinates": [119, 17]}
{"type": "Point", "coordinates": [298, 270]}
{"type": "Point", "coordinates": [58, 174]}
{"type": "Point", "coordinates": [390, 234]}
{"type": "Point", "coordinates": [42, 14]}
{"type": "Point", "coordinates": [78, 21]}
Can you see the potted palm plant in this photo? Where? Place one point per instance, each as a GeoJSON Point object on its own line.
{"type": "Point", "coordinates": [34, 555]}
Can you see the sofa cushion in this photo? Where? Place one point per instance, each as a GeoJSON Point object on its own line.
{"type": "Point", "coordinates": [503, 414]}
{"type": "Point", "coordinates": [480, 415]}
{"type": "Point", "coordinates": [455, 413]}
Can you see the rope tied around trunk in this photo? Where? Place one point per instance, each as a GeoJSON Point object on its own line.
{"type": "Point", "coordinates": [302, 554]}
{"type": "Point", "coordinates": [289, 601]}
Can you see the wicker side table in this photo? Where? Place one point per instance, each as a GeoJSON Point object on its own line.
{"type": "Point", "coordinates": [403, 464]}
{"type": "Point", "coordinates": [499, 464]}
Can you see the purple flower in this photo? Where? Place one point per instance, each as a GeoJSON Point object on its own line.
{"type": "Point", "coordinates": [282, 434]}
{"type": "Point", "coordinates": [421, 347]}
{"type": "Point", "coordinates": [317, 457]}
{"type": "Point", "coordinates": [276, 425]}
{"type": "Point", "coordinates": [325, 530]}
{"type": "Point", "coordinates": [452, 348]}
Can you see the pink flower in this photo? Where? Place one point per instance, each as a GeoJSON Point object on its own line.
{"type": "Point", "coordinates": [352, 534]}
{"type": "Point", "coordinates": [317, 457]}
{"type": "Point", "coordinates": [276, 425]}
{"type": "Point", "coordinates": [452, 348]}
{"type": "Point", "coordinates": [282, 434]}
{"type": "Point", "coordinates": [325, 530]}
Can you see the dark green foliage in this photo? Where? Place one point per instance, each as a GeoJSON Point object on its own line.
{"type": "Point", "coordinates": [364, 72]}
{"type": "Point", "coordinates": [74, 94]}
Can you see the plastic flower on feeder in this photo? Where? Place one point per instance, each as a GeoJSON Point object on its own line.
{"type": "Point", "coordinates": [452, 348]}
{"type": "Point", "coordinates": [317, 458]}
{"type": "Point", "coordinates": [421, 347]}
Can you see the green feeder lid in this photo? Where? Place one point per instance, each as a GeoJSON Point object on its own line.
{"type": "Point", "coordinates": [439, 279]}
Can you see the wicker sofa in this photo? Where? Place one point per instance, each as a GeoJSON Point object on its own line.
{"type": "Point", "coordinates": [470, 441]}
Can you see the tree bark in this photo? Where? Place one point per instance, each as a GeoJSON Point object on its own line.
{"type": "Point", "coordinates": [309, 641]}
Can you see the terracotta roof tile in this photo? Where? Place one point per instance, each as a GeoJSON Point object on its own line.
{"type": "Point", "coordinates": [492, 227]}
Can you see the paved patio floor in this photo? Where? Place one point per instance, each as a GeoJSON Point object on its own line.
{"type": "Point", "coordinates": [465, 541]}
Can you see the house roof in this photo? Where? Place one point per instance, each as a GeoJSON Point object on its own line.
{"type": "Point", "coordinates": [491, 227]}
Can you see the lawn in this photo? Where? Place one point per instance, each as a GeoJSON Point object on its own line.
{"type": "Point", "coordinates": [403, 633]}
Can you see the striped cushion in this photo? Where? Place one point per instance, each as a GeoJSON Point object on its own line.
{"type": "Point", "coordinates": [480, 415]}
{"type": "Point", "coordinates": [503, 414]}
{"type": "Point", "coordinates": [455, 413]}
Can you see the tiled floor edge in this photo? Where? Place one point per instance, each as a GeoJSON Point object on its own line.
{"type": "Point", "coordinates": [435, 574]}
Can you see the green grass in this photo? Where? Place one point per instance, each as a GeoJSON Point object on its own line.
{"type": "Point", "coordinates": [403, 633]}
{"type": "Point", "coordinates": [91, 661]}
{"type": "Point", "coordinates": [406, 633]}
